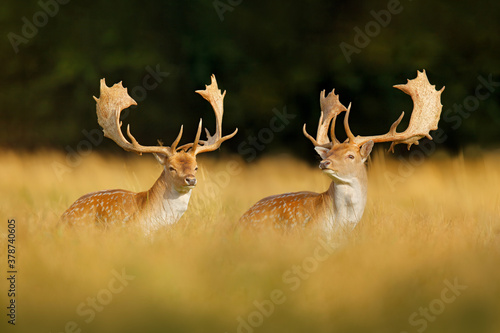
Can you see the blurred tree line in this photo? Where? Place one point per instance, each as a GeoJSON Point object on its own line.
{"type": "Point", "coordinates": [272, 57]}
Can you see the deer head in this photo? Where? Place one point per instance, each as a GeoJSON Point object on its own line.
{"type": "Point", "coordinates": [179, 162]}
{"type": "Point", "coordinates": [344, 162]}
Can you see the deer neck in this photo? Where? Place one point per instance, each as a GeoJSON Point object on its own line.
{"type": "Point", "coordinates": [345, 202]}
{"type": "Point", "coordinates": [164, 204]}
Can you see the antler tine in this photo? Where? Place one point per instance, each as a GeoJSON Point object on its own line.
{"type": "Point", "coordinates": [198, 134]}
{"type": "Point", "coordinates": [324, 120]}
{"type": "Point", "coordinates": [425, 116]}
{"type": "Point", "coordinates": [216, 99]}
{"type": "Point", "coordinates": [330, 109]}
{"type": "Point", "coordinates": [307, 135]}
{"type": "Point", "coordinates": [348, 131]}
{"type": "Point", "coordinates": [173, 147]}
{"type": "Point", "coordinates": [111, 102]}
{"type": "Point", "coordinates": [332, 131]}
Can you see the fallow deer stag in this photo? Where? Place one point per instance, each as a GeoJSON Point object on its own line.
{"type": "Point", "coordinates": [342, 205]}
{"type": "Point", "coordinates": [166, 201]}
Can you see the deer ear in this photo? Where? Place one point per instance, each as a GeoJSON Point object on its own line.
{"type": "Point", "coordinates": [161, 158]}
{"type": "Point", "coordinates": [365, 150]}
{"type": "Point", "coordinates": [322, 152]}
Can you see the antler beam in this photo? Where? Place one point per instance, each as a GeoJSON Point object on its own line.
{"type": "Point", "coordinates": [111, 102]}
{"type": "Point", "coordinates": [330, 109]}
{"type": "Point", "coordinates": [213, 142]}
{"type": "Point", "coordinates": [425, 116]}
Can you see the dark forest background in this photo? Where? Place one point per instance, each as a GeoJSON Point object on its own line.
{"type": "Point", "coordinates": [268, 55]}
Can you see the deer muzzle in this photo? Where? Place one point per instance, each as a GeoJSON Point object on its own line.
{"type": "Point", "coordinates": [190, 181]}
{"type": "Point", "coordinates": [325, 164]}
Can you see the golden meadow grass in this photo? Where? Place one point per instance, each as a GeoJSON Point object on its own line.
{"type": "Point", "coordinates": [425, 257]}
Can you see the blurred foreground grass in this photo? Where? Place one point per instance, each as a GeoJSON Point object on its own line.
{"type": "Point", "coordinates": [424, 258]}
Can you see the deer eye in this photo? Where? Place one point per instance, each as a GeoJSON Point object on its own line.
{"type": "Point", "coordinates": [171, 168]}
{"type": "Point", "coordinates": [196, 169]}
{"type": "Point", "coordinates": [351, 156]}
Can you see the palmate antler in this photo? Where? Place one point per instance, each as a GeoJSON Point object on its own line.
{"type": "Point", "coordinates": [213, 142]}
{"type": "Point", "coordinates": [113, 100]}
{"type": "Point", "coordinates": [330, 109]}
{"type": "Point", "coordinates": [425, 117]}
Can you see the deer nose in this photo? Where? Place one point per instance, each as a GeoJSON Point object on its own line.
{"type": "Point", "coordinates": [190, 181]}
{"type": "Point", "coordinates": [324, 164]}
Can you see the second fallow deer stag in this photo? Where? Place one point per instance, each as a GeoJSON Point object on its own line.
{"type": "Point", "coordinates": [342, 205]}
{"type": "Point", "coordinates": [166, 201]}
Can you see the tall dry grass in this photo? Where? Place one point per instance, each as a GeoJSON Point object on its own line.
{"type": "Point", "coordinates": [424, 258]}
